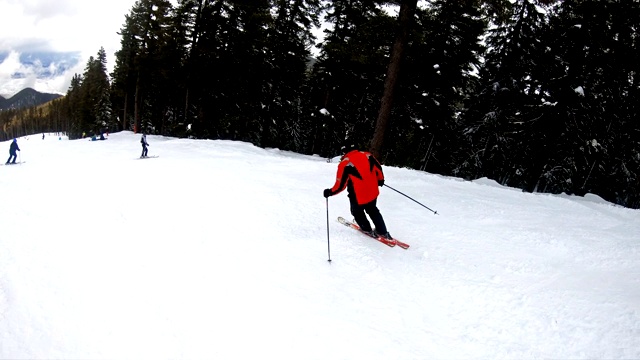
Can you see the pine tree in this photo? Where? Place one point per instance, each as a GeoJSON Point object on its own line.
{"type": "Point", "coordinates": [103, 109]}
{"type": "Point", "coordinates": [75, 106]}
{"type": "Point", "coordinates": [144, 66]}
{"type": "Point", "coordinates": [439, 75]}
{"type": "Point", "coordinates": [595, 88]}
{"type": "Point", "coordinates": [347, 79]}
{"type": "Point", "coordinates": [405, 20]}
{"type": "Point", "coordinates": [249, 82]}
{"type": "Point", "coordinates": [509, 99]}
{"type": "Point", "coordinates": [226, 64]}
{"type": "Point", "coordinates": [124, 74]}
{"type": "Point", "coordinates": [289, 42]}
{"type": "Point", "coordinates": [190, 21]}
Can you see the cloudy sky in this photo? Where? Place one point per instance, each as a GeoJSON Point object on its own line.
{"type": "Point", "coordinates": [43, 43]}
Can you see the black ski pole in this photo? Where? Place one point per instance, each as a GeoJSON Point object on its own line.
{"type": "Point", "coordinates": [328, 244]}
{"type": "Point", "coordinates": [434, 212]}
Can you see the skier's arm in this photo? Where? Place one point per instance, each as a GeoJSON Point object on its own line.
{"type": "Point", "coordinates": [376, 168]}
{"type": "Point", "coordinates": [341, 180]}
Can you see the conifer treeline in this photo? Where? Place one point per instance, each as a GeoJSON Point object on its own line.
{"type": "Point", "coordinates": [536, 94]}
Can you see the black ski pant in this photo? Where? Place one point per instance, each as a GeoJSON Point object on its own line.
{"type": "Point", "coordinates": [358, 212]}
{"type": "Point", "coordinates": [12, 155]}
{"type": "Point", "coordinates": [144, 150]}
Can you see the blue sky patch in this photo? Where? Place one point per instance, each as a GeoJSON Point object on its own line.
{"type": "Point", "coordinates": [63, 61]}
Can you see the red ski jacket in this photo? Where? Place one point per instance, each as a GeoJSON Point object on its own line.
{"type": "Point", "coordinates": [359, 171]}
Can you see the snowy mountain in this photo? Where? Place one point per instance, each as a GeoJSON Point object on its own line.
{"type": "Point", "coordinates": [219, 249]}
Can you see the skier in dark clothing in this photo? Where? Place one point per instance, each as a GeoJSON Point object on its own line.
{"type": "Point", "coordinates": [361, 174]}
{"type": "Point", "coordinates": [144, 143]}
{"type": "Point", "coordinates": [12, 151]}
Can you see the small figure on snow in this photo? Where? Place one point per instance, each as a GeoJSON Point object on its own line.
{"type": "Point", "coordinates": [12, 151]}
{"type": "Point", "coordinates": [361, 174]}
{"type": "Point", "coordinates": [144, 143]}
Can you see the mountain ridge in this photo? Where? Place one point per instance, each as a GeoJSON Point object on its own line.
{"type": "Point", "coordinates": [25, 98]}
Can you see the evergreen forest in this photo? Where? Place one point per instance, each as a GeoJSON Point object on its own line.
{"type": "Point", "coordinates": [539, 95]}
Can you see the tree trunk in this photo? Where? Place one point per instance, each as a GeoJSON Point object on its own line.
{"type": "Point", "coordinates": [136, 106]}
{"type": "Point", "coordinates": [124, 116]}
{"type": "Point", "coordinates": [186, 104]}
{"type": "Point", "coordinates": [407, 11]}
{"type": "Point", "coordinates": [192, 49]}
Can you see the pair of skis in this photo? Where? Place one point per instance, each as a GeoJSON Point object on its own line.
{"type": "Point", "coordinates": [388, 242]}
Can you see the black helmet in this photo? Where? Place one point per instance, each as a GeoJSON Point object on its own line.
{"type": "Point", "coordinates": [347, 146]}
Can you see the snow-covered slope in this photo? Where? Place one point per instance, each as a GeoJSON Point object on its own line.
{"type": "Point", "coordinates": [219, 249]}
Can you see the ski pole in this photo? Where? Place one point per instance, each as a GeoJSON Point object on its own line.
{"type": "Point", "coordinates": [328, 244]}
{"type": "Point", "coordinates": [434, 212]}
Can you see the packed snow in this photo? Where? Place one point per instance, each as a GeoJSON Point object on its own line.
{"type": "Point", "coordinates": [220, 249]}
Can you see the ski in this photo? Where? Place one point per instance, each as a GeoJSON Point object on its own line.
{"type": "Point", "coordinates": [148, 157]}
{"type": "Point", "coordinates": [15, 163]}
{"type": "Point", "coordinates": [390, 243]}
{"type": "Point", "coordinates": [401, 244]}
{"type": "Point", "coordinates": [345, 222]}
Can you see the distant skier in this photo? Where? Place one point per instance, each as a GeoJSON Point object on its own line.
{"type": "Point", "coordinates": [12, 151]}
{"type": "Point", "coordinates": [361, 174]}
{"type": "Point", "coordinates": [144, 143]}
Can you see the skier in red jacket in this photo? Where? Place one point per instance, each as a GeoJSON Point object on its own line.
{"type": "Point", "coordinates": [361, 174]}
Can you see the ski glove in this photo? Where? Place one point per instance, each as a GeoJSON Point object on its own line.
{"type": "Point", "coordinates": [327, 193]}
{"type": "Point", "coordinates": [381, 182]}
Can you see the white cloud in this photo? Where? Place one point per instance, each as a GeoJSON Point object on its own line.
{"type": "Point", "coordinates": [80, 27]}
{"type": "Point", "coordinates": [14, 75]}
{"type": "Point", "coordinates": [19, 71]}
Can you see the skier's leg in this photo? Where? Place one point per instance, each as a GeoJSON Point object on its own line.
{"type": "Point", "coordinates": [376, 217]}
{"type": "Point", "coordinates": [358, 214]}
